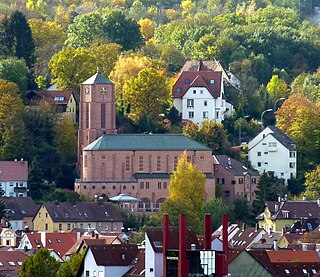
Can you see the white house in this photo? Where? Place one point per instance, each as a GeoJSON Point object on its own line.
{"type": "Point", "coordinates": [108, 260]}
{"type": "Point", "coordinates": [14, 178]}
{"type": "Point", "coordinates": [199, 94]}
{"type": "Point", "coordinates": [275, 153]}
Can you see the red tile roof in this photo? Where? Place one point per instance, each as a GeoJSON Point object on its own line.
{"type": "Point", "coordinates": [59, 242]}
{"type": "Point", "coordinates": [203, 77]}
{"type": "Point", "coordinates": [11, 260]}
{"type": "Point", "coordinates": [13, 170]}
{"type": "Point", "coordinates": [114, 254]}
{"type": "Point", "coordinates": [58, 97]}
{"type": "Point", "coordinates": [138, 268]}
{"type": "Point", "coordinates": [293, 256]}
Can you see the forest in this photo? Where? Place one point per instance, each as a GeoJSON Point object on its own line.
{"type": "Point", "coordinates": [141, 45]}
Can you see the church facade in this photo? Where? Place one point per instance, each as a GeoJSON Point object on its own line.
{"type": "Point", "coordinates": [134, 164]}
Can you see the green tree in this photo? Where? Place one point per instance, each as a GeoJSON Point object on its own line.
{"type": "Point", "coordinates": [210, 133]}
{"type": "Point", "coordinates": [146, 94]}
{"type": "Point", "coordinates": [39, 265]}
{"type": "Point", "coordinates": [186, 194]}
{"type": "Point", "coordinates": [84, 30]}
{"type": "Point", "coordinates": [122, 30]}
{"type": "Point", "coordinates": [277, 88]}
{"type": "Point", "coordinates": [72, 66]}
{"type": "Point", "coordinates": [217, 208]}
{"type": "Point", "coordinates": [268, 189]}
{"type": "Point", "coordinates": [16, 71]}
{"type": "Point", "coordinates": [242, 211]}
{"type": "Point", "coordinates": [312, 184]}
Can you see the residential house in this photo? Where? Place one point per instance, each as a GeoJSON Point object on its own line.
{"type": "Point", "coordinates": [60, 243]}
{"type": "Point", "coordinates": [234, 178]}
{"type": "Point", "coordinates": [288, 239]}
{"type": "Point", "coordinates": [134, 164]}
{"type": "Point", "coordinates": [108, 260]}
{"type": "Point", "coordinates": [11, 262]}
{"type": "Point", "coordinates": [138, 269]}
{"type": "Point", "coordinates": [154, 249]}
{"type": "Point", "coordinates": [63, 101]}
{"type": "Point", "coordinates": [274, 153]}
{"type": "Point", "coordinates": [8, 237]}
{"type": "Point", "coordinates": [65, 216]}
{"type": "Point", "coordinates": [14, 178]}
{"type": "Point", "coordinates": [283, 214]}
{"type": "Point", "coordinates": [20, 212]}
{"type": "Point", "coordinates": [199, 94]}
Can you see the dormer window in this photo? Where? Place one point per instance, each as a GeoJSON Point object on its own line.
{"type": "Point", "coordinates": [187, 81]}
{"type": "Point", "coordinates": [212, 82]}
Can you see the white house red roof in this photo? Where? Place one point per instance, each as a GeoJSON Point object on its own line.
{"type": "Point", "coordinates": [13, 170]}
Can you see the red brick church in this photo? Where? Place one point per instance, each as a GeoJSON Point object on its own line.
{"type": "Point", "coordinates": [135, 164]}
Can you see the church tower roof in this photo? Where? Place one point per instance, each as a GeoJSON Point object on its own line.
{"type": "Point", "coordinates": [97, 79]}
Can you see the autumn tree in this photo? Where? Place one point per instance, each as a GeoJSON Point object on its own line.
{"type": "Point", "coordinates": [146, 28]}
{"type": "Point", "coordinates": [122, 30]}
{"type": "Point", "coordinates": [12, 129]}
{"type": "Point", "coordinates": [72, 66]}
{"type": "Point", "coordinates": [8, 87]}
{"type": "Point", "coordinates": [146, 94]}
{"type": "Point", "coordinates": [39, 265]}
{"type": "Point", "coordinates": [186, 194]}
{"type": "Point", "coordinates": [209, 133]}
{"type": "Point", "coordinates": [49, 38]}
{"type": "Point", "coordinates": [298, 118]}
{"type": "Point", "coordinates": [312, 184]}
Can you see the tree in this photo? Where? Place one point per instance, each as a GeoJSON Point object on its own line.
{"type": "Point", "coordinates": [242, 211]}
{"type": "Point", "coordinates": [277, 88]}
{"type": "Point", "coordinates": [312, 184]}
{"type": "Point", "coordinates": [49, 38]}
{"type": "Point", "coordinates": [84, 30]}
{"type": "Point", "coordinates": [217, 208]}
{"type": "Point", "coordinates": [146, 28]}
{"type": "Point", "coordinates": [70, 268]}
{"type": "Point", "coordinates": [8, 87]}
{"type": "Point", "coordinates": [122, 30]}
{"type": "Point", "coordinates": [12, 129]}
{"type": "Point", "coordinates": [146, 94]}
{"type": "Point", "coordinates": [268, 189]}
{"type": "Point", "coordinates": [186, 194]}
{"type": "Point", "coordinates": [39, 265]}
{"type": "Point", "coordinates": [209, 133]}
{"type": "Point", "coordinates": [72, 66]}
{"type": "Point", "coordinates": [15, 71]}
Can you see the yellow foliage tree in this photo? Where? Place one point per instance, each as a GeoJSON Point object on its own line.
{"type": "Point", "coordinates": [8, 87]}
{"type": "Point", "coordinates": [186, 194]}
{"type": "Point", "coordinates": [146, 28]}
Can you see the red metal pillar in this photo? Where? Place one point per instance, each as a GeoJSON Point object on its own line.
{"type": "Point", "coordinates": [207, 231]}
{"type": "Point", "coordinates": [183, 262]}
{"type": "Point", "coordinates": [165, 242]}
{"type": "Point", "coordinates": [225, 223]}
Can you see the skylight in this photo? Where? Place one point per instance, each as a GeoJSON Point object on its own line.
{"type": "Point", "coordinates": [287, 271]}
{"type": "Point", "coordinates": [11, 263]}
{"type": "Point", "coordinates": [157, 244]}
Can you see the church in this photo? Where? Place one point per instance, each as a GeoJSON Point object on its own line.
{"type": "Point", "coordinates": [134, 164]}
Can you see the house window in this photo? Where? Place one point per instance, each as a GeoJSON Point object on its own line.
{"type": "Point", "coordinates": [292, 165]}
{"type": "Point", "coordinates": [217, 115]}
{"type": "Point", "coordinates": [159, 185]}
{"type": "Point", "coordinates": [240, 181]}
{"type": "Point", "coordinates": [211, 82]}
{"type": "Point", "coordinates": [254, 181]}
{"type": "Point", "coordinates": [258, 154]}
{"type": "Point", "coordinates": [227, 193]}
{"type": "Point", "coordinates": [68, 226]}
{"type": "Point", "coordinates": [190, 103]}
{"type": "Point", "coordinates": [191, 114]}
{"type": "Point", "coordinates": [259, 164]}
{"type": "Point", "coordinates": [187, 81]}
{"type": "Point", "coordinates": [46, 226]}
{"type": "Point", "coordinates": [140, 163]}
{"type": "Point", "coordinates": [201, 91]}
{"type": "Point", "coordinates": [158, 163]}
{"type": "Point", "coordinates": [147, 185]}
{"type": "Point", "coordinates": [127, 163]}
{"type": "Point", "coordinates": [292, 154]}
{"type": "Point", "coordinates": [194, 91]}
{"type": "Point", "coordinates": [103, 115]}
{"type": "Point", "coordinates": [205, 103]}
{"type": "Point", "coordinates": [60, 226]}
{"type": "Point", "coordinates": [272, 144]}
{"type": "Point", "coordinates": [178, 90]}
{"type": "Point", "coordinates": [113, 187]}
{"type": "Point", "coordinates": [141, 185]}
{"type": "Point", "coordinates": [84, 187]}
{"type": "Point", "coordinates": [205, 114]}
{"type": "Point", "coordinates": [103, 187]}
{"type": "Point", "coordinates": [266, 153]}
{"type": "Point", "coordinates": [87, 273]}
{"type": "Point", "coordinates": [220, 181]}
{"type": "Point", "coordinates": [124, 187]}
{"type": "Point", "coordinates": [233, 182]}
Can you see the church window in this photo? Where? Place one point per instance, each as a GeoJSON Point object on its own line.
{"type": "Point", "coordinates": [158, 163]}
{"type": "Point", "coordinates": [87, 116]}
{"type": "Point", "coordinates": [140, 163]}
{"type": "Point", "coordinates": [147, 185]}
{"type": "Point", "coordinates": [159, 185]}
{"type": "Point", "coordinates": [103, 115]}
{"type": "Point", "coordinates": [127, 163]}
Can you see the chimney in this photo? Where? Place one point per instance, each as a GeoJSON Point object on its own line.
{"type": "Point", "coordinates": [183, 265]}
{"type": "Point", "coordinates": [318, 202]}
{"type": "Point", "coordinates": [78, 235]}
{"type": "Point", "coordinates": [257, 227]}
{"type": "Point", "coordinates": [279, 199]}
{"type": "Point", "coordinates": [97, 235]}
{"type": "Point", "coordinates": [243, 227]}
{"type": "Point", "coordinates": [276, 207]}
{"type": "Point", "coordinates": [165, 242]}
{"type": "Point", "coordinates": [207, 231]}
{"type": "Point", "coordinates": [304, 198]}
{"type": "Point", "coordinates": [43, 239]}
{"type": "Point", "coordinates": [275, 245]}
{"type": "Point", "coordinates": [229, 161]}
{"type": "Point", "coordinates": [4, 222]}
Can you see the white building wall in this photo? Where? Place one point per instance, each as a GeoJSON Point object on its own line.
{"type": "Point", "coordinates": [265, 158]}
{"type": "Point", "coordinates": [91, 266]}
{"type": "Point", "coordinates": [153, 261]}
{"type": "Point", "coordinates": [16, 224]}
{"type": "Point", "coordinates": [8, 188]}
{"type": "Point", "coordinates": [177, 103]}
